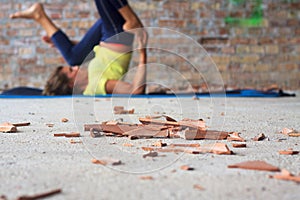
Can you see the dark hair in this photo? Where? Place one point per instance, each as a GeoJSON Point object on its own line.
{"type": "Point", "coordinates": [57, 84]}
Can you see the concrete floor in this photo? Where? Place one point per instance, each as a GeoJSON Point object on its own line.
{"type": "Point", "coordinates": [34, 161]}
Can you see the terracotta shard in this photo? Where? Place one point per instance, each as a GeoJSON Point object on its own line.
{"type": "Point", "coordinates": [159, 144]}
{"type": "Point", "coordinates": [205, 134]}
{"type": "Point", "coordinates": [186, 167]}
{"type": "Point", "coordinates": [8, 128]}
{"type": "Point", "coordinates": [64, 120]}
{"type": "Point", "coordinates": [158, 122]}
{"type": "Point", "coordinates": [150, 154]}
{"type": "Point", "coordinates": [128, 145]}
{"type": "Point", "coordinates": [21, 124]}
{"type": "Point", "coordinates": [260, 137]}
{"type": "Point", "coordinates": [50, 125]}
{"type": "Point", "coordinates": [117, 128]}
{"type": "Point", "coordinates": [106, 161]}
{"type": "Point", "coordinates": [235, 136]}
{"type": "Point", "coordinates": [239, 145]}
{"type": "Point", "coordinates": [185, 145]}
{"type": "Point", "coordinates": [198, 187]}
{"type": "Point", "coordinates": [59, 134]}
{"type": "Point", "coordinates": [172, 150]}
{"type": "Point", "coordinates": [96, 133]}
{"type": "Point", "coordinates": [290, 132]}
{"type": "Point", "coordinates": [194, 124]}
{"type": "Point", "coordinates": [168, 118]}
{"type": "Point", "coordinates": [72, 134]}
{"type": "Point", "coordinates": [255, 165]}
{"type": "Point", "coordinates": [40, 196]}
{"type": "Point", "coordinates": [216, 148]}
{"type": "Point", "coordinates": [75, 142]}
{"type": "Point", "coordinates": [288, 152]}
{"type": "Point", "coordinates": [286, 175]}
{"type": "Point", "coordinates": [286, 131]}
{"type": "Point", "coordinates": [294, 134]}
{"type": "Point", "coordinates": [146, 177]}
{"type": "Point", "coordinates": [121, 110]}
{"type": "Point", "coordinates": [143, 132]}
{"type": "Point", "coordinates": [88, 127]}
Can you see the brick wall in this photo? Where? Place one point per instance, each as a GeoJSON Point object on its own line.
{"type": "Point", "coordinates": [252, 43]}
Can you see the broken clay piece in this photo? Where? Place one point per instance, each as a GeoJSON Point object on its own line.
{"type": "Point", "coordinates": [146, 177]}
{"type": "Point", "coordinates": [286, 175]}
{"type": "Point", "coordinates": [198, 187]}
{"type": "Point", "coordinates": [260, 137]}
{"type": "Point", "coordinates": [64, 120]}
{"type": "Point", "coordinates": [205, 134]}
{"type": "Point", "coordinates": [186, 167]}
{"type": "Point", "coordinates": [106, 161]}
{"type": "Point", "coordinates": [235, 136]}
{"type": "Point", "coordinates": [40, 196]}
{"type": "Point", "coordinates": [121, 110]}
{"type": "Point", "coordinates": [255, 165]}
{"type": "Point", "coordinates": [150, 154]}
{"type": "Point", "coordinates": [216, 148]}
{"type": "Point", "coordinates": [72, 134]}
{"type": "Point", "coordinates": [288, 152]}
{"type": "Point", "coordinates": [290, 132]}
{"type": "Point", "coordinates": [8, 128]}
{"type": "Point", "coordinates": [239, 145]}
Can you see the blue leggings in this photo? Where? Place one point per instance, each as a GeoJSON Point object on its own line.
{"type": "Point", "coordinates": [105, 29]}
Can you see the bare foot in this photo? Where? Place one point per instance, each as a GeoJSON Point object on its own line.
{"type": "Point", "coordinates": [36, 11]}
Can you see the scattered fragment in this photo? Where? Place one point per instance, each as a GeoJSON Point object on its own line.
{"type": "Point", "coordinates": [72, 134]}
{"type": "Point", "coordinates": [198, 187]}
{"type": "Point", "coordinates": [88, 127]}
{"type": "Point", "coordinates": [75, 142]}
{"type": "Point", "coordinates": [95, 133]}
{"type": "Point", "coordinates": [59, 134]}
{"type": "Point", "coordinates": [286, 175]}
{"type": "Point", "coordinates": [39, 196]}
{"type": "Point", "coordinates": [153, 128]}
{"type": "Point", "coordinates": [146, 177]}
{"type": "Point", "coordinates": [216, 148]}
{"type": "Point", "coordinates": [290, 132]}
{"type": "Point", "coordinates": [255, 165]}
{"type": "Point", "coordinates": [168, 118]}
{"type": "Point", "coordinates": [260, 137]}
{"type": "Point", "coordinates": [185, 123]}
{"type": "Point", "coordinates": [205, 134]}
{"type": "Point", "coordinates": [8, 128]}
{"type": "Point", "coordinates": [144, 132]}
{"type": "Point", "coordinates": [174, 150]}
{"type": "Point", "coordinates": [64, 120]}
{"type": "Point", "coordinates": [50, 125]}
{"type": "Point", "coordinates": [185, 145]}
{"type": "Point", "coordinates": [121, 110]}
{"type": "Point", "coordinates": [106, 161]}
{"type": "Point", "coordinates": [21, 124]}
{"type": "Point", "coordinates": [150, 154]}
{"type": "Point", "coordinates": [186, 167]}
{"type": "Point", "coordinates": [288, 152]}
{"type": "Point", "coordinates": [239, 145]}
{"type": "Point", "coordinates": [128, 145]}
{"type": "Point", "coordinates": [235, 136]}
{"type": "Point", "coordinates": [286, 131]}
{"type": "Point", "coordinates": [159, 144]}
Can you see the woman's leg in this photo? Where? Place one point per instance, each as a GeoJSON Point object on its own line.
{"type": "Point", "coordinates": [74, 53]}
{"type": "Point", "coordinates": [37, 13]}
